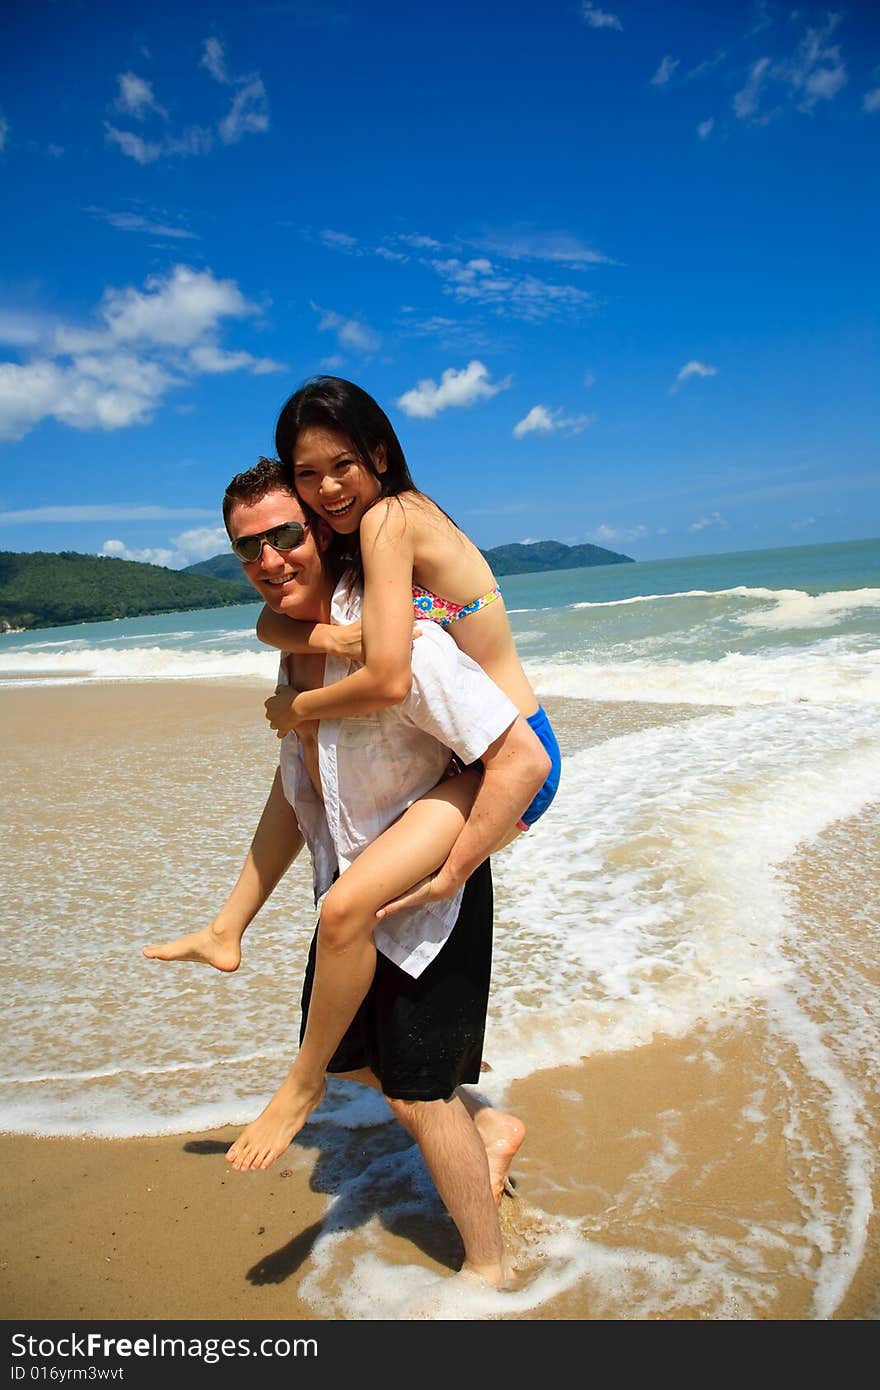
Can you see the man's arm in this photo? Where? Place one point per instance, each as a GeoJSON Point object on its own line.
{"type": "Point", "coordinates": [515, 767]}
{"type": "Point", "coordinates": [305, 638]}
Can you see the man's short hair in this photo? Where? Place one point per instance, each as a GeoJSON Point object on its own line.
{"type": "Point", "coordinates": [267, 475]}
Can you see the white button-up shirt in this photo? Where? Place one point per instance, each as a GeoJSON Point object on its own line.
{"type": "Point", "coordinates": [373, 766]}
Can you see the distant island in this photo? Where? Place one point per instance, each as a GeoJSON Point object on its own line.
{"type": "Point", "coordinates": [45, 589]}
{"type": "Point", "coordinates": [531, 558]}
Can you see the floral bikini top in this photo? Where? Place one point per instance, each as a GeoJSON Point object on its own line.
{"type": "Point", "coordinates": [443, 611]}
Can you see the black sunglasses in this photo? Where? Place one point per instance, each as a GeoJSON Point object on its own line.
{"type": "Point", "coordinates": [287, 536]}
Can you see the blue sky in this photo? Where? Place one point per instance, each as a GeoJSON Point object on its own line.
{"type": "Point", "coordinates": [611, 269]}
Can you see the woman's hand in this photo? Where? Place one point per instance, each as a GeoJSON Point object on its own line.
{"type": "Point", "coordinates": [280, 710]}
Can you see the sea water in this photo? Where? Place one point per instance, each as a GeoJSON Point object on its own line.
{"type": "Point", "coordinates": [650, 902]}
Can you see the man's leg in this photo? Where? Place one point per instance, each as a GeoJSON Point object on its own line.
{"type": "Point", "coordinates": [456, 1159]}
{"type": "Point", "coordinates": [460, 1163]}
{"type": "Point", "coordinates": [345, 959]}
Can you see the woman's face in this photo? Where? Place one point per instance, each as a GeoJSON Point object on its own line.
{"type": "Point", "coordinates": [330, 478]}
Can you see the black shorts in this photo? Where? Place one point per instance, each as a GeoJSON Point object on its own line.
{"type": "Point", "coordinates": [424, 1037]}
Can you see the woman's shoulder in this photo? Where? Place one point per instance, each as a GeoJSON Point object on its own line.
{"type": "Point", "coordinates": [405, 512]}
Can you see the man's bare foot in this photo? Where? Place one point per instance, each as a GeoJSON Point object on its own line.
{"type": "Point", "coordinates": [502, 1136]}
{"type": "Point", "coordinates": [272, 1131]}
{"type": "Point", "coordinates": [504, 1276]}
{"type": "Point", "coordinates": [205, 947]}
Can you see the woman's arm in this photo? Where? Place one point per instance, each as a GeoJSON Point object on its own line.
{"type": "Point", "coordinates": [293, 635]}
{"type": "Point", "coordinates": [387, 629]}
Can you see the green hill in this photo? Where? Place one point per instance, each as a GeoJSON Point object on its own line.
{"type": "Point", "coordinates": [536, 556]}
{"type": "Point", "coordinates": [44, 589]}
{"type": "Point", "coordinates": [224, 566]}
{"type": "Point", "coordinates": [504, 559]}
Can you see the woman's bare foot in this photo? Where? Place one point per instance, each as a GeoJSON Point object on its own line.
{"type": "Point", "coordinates": [502, 1136]}
{"type": "Point", "coordinates": [271, 1132]}
{"type": "Point", "coordinates": [206, 947]}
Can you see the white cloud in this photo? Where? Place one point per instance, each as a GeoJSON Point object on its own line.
{"type": "Point", "coordinates": [136, 97]}
{"type": "Point", "coordinates": [457, 388]}
{"type": "Point", "coordinates": [805, 521]}
{"type": "Point", "coordinates": [603, 534]}
{"type": "Point", "coordinates": [599, 19]}
{"type": "Point", "coordinates": [4, 131]}
{"type": "Point", "coordinates": [137, 222]}
{"type": "Point", "coordinates": [540, 420]}
{"type": "Point", "coordinates": [174, 311]}
{"type": "Point", "coordinates": [27, 393]}
{"type": "Point", "coordinates": [815, 72]}
{"type": "Point", "coordinates": [705, 128]}
{"type": "Point", "coordinates": [589, 380]}
{"type": "Point", "coordinates": [692, 369]}
{"type": "Point", "coordinates": [350, 333]}
{"type": "Point", "coordinates": [187, 548]}
{"type": "Point", "coordinates": [212, 359]}
{"type": "Point", "coordinates": [714, 519]}
{"type": "Point", "coordinates": [525, 296]}
{"type": "Point", "coordinates": [196, 139]}
{"type": "Point", "coordinates": [201, 543]}
{"type": "Point", "coordinates": [745, 102]}
{"type": "Point", "coordinates": [667, 67]}
{"type": "Point", "coordinates": [117, 550]}
{"type": "Point", "coordinates": [557, 247]}
{"type": "Point", "coordinates": [21, 329]}
{"type": "Point", "coordinates": [141, 151]}
{"type": "Point", "coordinates": [214, 60]}
{"type": "Point", "coordinates": [103, 511]}
{"type": "Point", "coordinates": [91, 393]}
{"type": "Point", "coordinates": [249, 113]}
{"type": "Point", "coordinates": [871, 100]}
{"type": "Point", "coordinates": [340, 241]}
{"type": "Point", "coordinates": [477, 279]}
{"type": "Point", "coordinates": [421, 243]}
{"type": "Point", "coordinates": [116, 374]}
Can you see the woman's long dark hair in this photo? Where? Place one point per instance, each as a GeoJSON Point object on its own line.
{"type": "Point", "coordinates": [332, 403]}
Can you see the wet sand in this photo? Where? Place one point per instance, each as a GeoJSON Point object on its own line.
{"type": "Point", "coordinates": [162, 1229]}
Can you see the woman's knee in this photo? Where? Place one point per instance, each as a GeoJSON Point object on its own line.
{"type": "Point", "coordinates": [343, 920]}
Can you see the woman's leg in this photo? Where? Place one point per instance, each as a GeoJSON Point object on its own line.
{"type": "Point", "coordinates": [409, 850]}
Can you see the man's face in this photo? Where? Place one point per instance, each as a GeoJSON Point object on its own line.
{"type": "Point", "coordinates": [290, 581]}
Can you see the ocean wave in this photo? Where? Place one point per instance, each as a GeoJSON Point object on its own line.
{"type": "Point", "coordinates": [782, 677]}
{"type": "Point", "coordinates": [136, 663]}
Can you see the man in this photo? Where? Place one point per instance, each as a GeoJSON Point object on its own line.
{"type": "Point", "coordinates": [418, 1034]}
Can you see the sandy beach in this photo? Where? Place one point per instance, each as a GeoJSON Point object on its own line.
{"type": "Point", "coordinates": [161, 1228]}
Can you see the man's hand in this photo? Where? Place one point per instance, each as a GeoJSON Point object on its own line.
{"type": "Point", "coordinates": [279, 710]}
{"type": "Point", "coordinates": [344, 639]}
{"type": "Point", "coordinates": [437, 887]}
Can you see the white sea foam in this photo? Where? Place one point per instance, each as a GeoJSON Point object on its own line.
{"type": "Point", "coordinates": [655, 903]}
{"type": "Point", "coordinates": [775, 677]}
{"type": "Point", "coordinates": [739, 591]}
{"type": "Point", "coordinates": [793, 609]}
{"type": "Point", "coordinates": [137, 663]}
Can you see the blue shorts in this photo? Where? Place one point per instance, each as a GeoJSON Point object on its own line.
{"type": "Point", "coordinates": [541, 725]}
